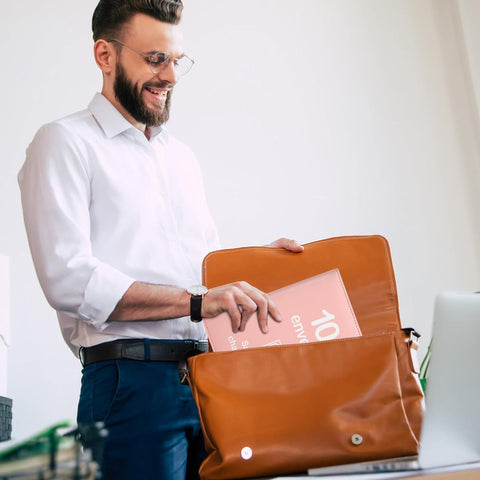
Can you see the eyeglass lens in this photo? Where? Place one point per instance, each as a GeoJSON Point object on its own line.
{"type": "Point", "coordinates": [160, 60]}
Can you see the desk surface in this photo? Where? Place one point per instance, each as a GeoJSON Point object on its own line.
{"type": "Point", "coordinates": [458, 472]}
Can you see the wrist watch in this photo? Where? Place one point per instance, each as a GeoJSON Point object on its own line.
{"type": "Point", "coordinates": [197, 292]}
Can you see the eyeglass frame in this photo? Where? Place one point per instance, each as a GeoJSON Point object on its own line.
{"type": "Point", "coordinates": [148, 58]}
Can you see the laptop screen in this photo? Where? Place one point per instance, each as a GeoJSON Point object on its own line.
{"type": "Point", "coordinates": [451, 424]}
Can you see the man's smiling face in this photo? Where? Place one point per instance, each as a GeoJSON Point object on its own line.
{"type": "Point", "coordinates": [143, 95]}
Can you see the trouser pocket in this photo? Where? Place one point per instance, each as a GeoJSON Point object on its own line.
{"type": "Point", "coordinates": [100, 385]}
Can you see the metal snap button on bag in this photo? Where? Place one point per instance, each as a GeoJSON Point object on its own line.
{"type": "Point", "coordinates": [357, 439]}
{"type": "Point", "coordinates": [246, 453]}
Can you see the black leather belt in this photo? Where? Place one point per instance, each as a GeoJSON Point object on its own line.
{"type": "Point", "coordinates": [144, 350]}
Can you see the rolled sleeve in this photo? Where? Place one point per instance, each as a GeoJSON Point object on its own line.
{"type": "Point", "coordinates": [102, 293]}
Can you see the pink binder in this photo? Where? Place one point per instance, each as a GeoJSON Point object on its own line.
{"type": "Point", "coordinates": [315, 309]}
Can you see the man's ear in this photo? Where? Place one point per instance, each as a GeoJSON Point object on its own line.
{"type": "Point", "coordinates": [105, 55]}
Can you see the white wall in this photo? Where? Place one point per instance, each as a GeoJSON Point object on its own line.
{"type": "Point", "coordinates": [311, 119]}
{"type": "Point", "coordinates": [469, 12]}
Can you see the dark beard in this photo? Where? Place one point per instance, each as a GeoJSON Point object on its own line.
{"type": "Point", "coordinates": [131, 100]}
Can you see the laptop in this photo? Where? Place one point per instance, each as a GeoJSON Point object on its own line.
{"type": "Point", "coordinates": [451, 423]}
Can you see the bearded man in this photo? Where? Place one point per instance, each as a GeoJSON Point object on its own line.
{"type": "Point", "coordinates": [118, 225]}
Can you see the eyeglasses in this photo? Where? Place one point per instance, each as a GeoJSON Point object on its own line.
{"type": "Point", "coordinates": [158, 61]}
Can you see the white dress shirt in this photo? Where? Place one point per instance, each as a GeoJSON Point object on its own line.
{"type": "Point", "coordinates": [103, 207]}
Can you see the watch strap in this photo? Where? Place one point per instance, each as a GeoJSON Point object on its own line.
{"type": "Point", "coordinates": [196, 308]}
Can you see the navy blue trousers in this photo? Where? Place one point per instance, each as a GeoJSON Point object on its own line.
{"type": "Point", "coordinates": [152, 420]}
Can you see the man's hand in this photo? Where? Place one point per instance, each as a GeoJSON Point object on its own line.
{"type": "Point", "coordinates": [287, 244]}
{"type": "Point", "coordinates": [240, 300]}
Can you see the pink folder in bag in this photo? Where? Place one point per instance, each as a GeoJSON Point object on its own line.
{"type": "Point", "coordinates": [315, 309]}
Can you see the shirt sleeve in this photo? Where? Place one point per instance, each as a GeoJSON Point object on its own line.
{"type": "Point", "coordinates": [55, 190]}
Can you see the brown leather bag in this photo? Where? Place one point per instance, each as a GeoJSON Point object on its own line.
{"type": "Point", "coordinates": [280, 410]}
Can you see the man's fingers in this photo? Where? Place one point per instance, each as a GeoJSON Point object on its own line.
{"type": "Point", "coordinates": [288, 244]}
{"type": "Point", "coordinates": [264, 306]}
{"type": "Point", "coordinates": [247, 307]}
{"type": "Point", "coordinates": [240, 300]}
{"type": "Point", "coordinates": [274, 312]}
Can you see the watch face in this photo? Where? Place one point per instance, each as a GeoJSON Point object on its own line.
{"type": "Point", "coordinates": [197, 290]}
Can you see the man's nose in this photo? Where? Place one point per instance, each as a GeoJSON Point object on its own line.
{"type": "Point", "coordinates": [169, 73]}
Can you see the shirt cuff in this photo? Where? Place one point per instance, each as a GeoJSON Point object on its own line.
{"type": "Point", "coordinates": [104, 290]}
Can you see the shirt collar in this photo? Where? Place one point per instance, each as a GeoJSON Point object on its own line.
{"type": "Point", "coordinates": [114, 123]}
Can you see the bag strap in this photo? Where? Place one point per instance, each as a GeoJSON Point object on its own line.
{"type": "Point", "coordinates": [412, 341]}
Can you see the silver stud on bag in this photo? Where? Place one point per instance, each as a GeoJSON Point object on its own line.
{"type": "Point", "coordinates": [246, 453]}
{"type": "Point", "coordinates": [357, 439]}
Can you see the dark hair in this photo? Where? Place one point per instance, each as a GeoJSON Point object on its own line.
{"type": "Point", "coordinates": [110, 15]}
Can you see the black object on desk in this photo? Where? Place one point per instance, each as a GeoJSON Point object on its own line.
{"type": "Point", "coordinates": [5, 419]}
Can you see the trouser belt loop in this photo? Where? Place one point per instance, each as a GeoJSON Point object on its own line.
{"type": "Point", "coordinates": [80, 355]}
{"type": "Point", "coordinates": [147, 349]}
